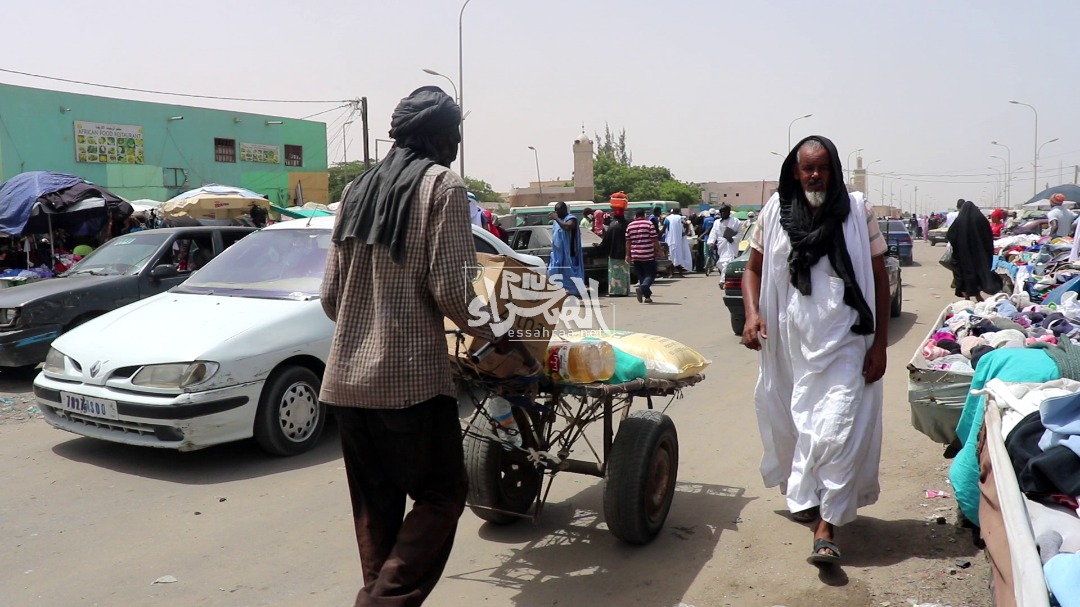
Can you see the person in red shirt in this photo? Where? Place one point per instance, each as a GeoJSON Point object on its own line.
{"type": "Point", "coordinates": [642, 250]}
{"type": "Point", "coordinates": [997, 222]}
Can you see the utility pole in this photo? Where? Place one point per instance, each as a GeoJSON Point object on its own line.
{"type": "Point", "coordinates": [364, 122]}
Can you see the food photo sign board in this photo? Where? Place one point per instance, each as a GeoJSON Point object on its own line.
{"type": "Point", "coordinates": [257, 152]}
{"type": "Point", "coordinates": [108, 143]}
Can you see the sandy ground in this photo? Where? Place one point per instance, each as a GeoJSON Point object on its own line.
{"type": "Point", "coordinates": [88, 523]}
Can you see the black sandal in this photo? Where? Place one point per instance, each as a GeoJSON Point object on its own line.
{"type": "Point", "coordinates": [819, 558]}
{"type": "Point", "coordinates": [805, 516]}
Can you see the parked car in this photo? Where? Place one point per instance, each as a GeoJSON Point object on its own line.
{"type": "Point", "coordinates": [731, 283]}
{"type": "Point", "coordinates": [895, 232]}
{"type": "Point", "coordinates": [937, 235]}
{"type": "Point", "coordinates": [123, 270]}
{"type": "Point", "coordinates": [237, 351]}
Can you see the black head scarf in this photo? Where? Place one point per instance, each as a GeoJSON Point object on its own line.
{"type": "Point", "coordinates": [816, 236]}
{"type": "Point", "coordinates": [376, 207]}
{"type": "Point", "coordinates": [973, 251]}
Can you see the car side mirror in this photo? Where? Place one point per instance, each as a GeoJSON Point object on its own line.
{"type": "Point", "coordinates": [164, 271]}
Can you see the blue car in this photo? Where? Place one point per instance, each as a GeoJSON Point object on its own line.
{"type": "Point", "coordinates": [896, 234]}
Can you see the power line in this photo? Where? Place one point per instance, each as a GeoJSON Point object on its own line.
{"type": "Point", "coordinates": [190, 95]}
{"type": "Point", "coordinates": [325, 111]}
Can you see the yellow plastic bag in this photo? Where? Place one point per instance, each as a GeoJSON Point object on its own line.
{"type": "Point", "coordinates": [664, 358]}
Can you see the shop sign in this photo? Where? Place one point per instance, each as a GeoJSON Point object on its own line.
{"type": "Point", "coordinates": [257, 152]}
{"type": "Point", "coordinates": [108, 143]}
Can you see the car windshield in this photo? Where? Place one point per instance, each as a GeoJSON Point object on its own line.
{"type": "Point", "coordinates": [273, 264]}
{"type": "Point", "coordinates": [122, 255]}
{"type": "Point", "coordinates": [892, 226]}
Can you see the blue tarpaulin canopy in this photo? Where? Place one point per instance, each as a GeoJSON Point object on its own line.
{"type": "Point", "coordinates": [27, 199]}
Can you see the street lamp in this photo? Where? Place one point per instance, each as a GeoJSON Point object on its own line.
{"type": "Point", "coordinates": [1039, 151]}
{"type": "Point", "coordinates": [1008, 173]}
{"type": "Point", "coordinates": [778, 154]}
{"type": "Point", "coordinates": [849, 163]}
{"type": "Point", "coordinates": [1035, 169]}
{"type": "Point", "coordinates": [452, 85]}
{"type": "Point", "coordinates": [390, 141]}
{"type": "Point", "coordinates": [539, 184]}
{"type": "Point", "coordinates": [997, 184]}
{"type": "Point", "coordinates": [789, 128]}
{"type": "Point", "coordinates": [461, 85]}
{"type": "Point", "coordinates": [345, 143]}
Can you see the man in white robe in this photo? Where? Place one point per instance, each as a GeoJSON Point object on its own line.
{"type": "Point", "coordinates": [817, 307]}
{"type": "Point", "coordinates": [675, 239]}
{"type": "Point", "coordinates": [724, 237]}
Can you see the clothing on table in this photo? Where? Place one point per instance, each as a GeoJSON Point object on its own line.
{"type": "Point", "coordinates": [646, 271]}
{"type": "Point", "coordinates": [641, 240]}
{"type": "Point", "coordinates": [390, 455]}
{"type": "Point", "coordinates": [973, 250]}
{"type": "Point", "coordinates": [1011, 364]}
{"type": "Point", "coordinates": [678, 245]}
{"type": "Point", "coordinates": [566, 266]}
{"type": "Point", "coordinates": [1062, 573]}
{"type": "Point", "coordinates": [396, 329]}
{"type": "Point", "coordinates": [726, 250]}
{"type": "Point", "coordinates": [820, 422]}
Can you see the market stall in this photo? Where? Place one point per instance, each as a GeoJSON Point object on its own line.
{"type": "Point", "coordinates": [215, 204]}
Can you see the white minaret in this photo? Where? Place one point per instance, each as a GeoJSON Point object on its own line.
{"type": "Point", "coordinates": [584, 187]}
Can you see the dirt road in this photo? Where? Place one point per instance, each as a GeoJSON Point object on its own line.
{"type": "Point", "coordinates": [84, 522]}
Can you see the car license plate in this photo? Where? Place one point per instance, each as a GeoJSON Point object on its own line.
{"type": "Point", "coordinates": [85, 405]}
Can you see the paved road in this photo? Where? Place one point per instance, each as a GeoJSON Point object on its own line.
{"type": "Point", "coordinates": [90, 523]}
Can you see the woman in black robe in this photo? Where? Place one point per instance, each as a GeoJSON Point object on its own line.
{"type": "Point", "coordinates": [972, 250]}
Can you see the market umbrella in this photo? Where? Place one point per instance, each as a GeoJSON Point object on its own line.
{"type": "Point", "coordinates": [38, 193]}
{"type": "Point", "coordinates": [1044, 204]}
{"type": "Point", "coordinates": [299, 212]}
{"type": "Point", "coordinates": [1071, 192]}
{"type": "Point", "coordinates": [214, 202]}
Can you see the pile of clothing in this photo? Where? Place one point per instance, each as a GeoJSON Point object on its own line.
{"type": "Point", "coordinates": [972, 330]}
{"type": "Point", "coordinates": [1037, 265]}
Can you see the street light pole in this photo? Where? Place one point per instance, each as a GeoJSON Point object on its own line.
{"type": "Point", "coordinates": [789, 129]}
{"type": "Point", "coordinates": [1008, 173]}
{"type": "Point", "coordinates": [997, 183]}
{"type": "Point", "coordinates": [1039, 150]}
{"type": "Point", "coordinates": [1034, 169]}
{"type": "Point", "coordinates": [461, 85]}
{"type": "Point", "coordinates": [452, 85]}
{"type": "Point", "coordinates": [390, 141]}
{"type": "Point", "coordinates": [345, 143]}
{"type": "Point", "coordinates": [539, 184]}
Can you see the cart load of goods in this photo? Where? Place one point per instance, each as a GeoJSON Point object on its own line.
{"type": "Point", "coordinates": [942, 368]}
{"type": "Point", "coordinates": [517, 295]}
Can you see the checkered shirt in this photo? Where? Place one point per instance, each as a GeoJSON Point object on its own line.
{"type": "Point", "coordinates": [389, 349]}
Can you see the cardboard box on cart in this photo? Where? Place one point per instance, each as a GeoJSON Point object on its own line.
{"type": "Point", "coordinates": [519, 295]}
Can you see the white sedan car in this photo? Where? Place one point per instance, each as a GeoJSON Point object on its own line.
{"type": "Point", "coordinates": [238, 350]}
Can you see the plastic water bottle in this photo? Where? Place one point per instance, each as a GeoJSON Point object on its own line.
{"type": "Point", "coordinates": [506, 427]}
{"type": "Point", "coordinates": [580, 362]}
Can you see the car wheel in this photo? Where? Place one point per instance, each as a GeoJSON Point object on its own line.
{"type": "Point", "coordinates": [290, 418]}
{"type": "Point", "coordinates": [897, 302]}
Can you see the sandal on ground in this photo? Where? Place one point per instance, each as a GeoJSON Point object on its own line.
{"type": "Point", "coordinates": [820, 558]}
{"type": "Point", "coordinates": [805, 516]}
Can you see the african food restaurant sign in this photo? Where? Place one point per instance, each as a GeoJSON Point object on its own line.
{"type": "Point", "coordinates": [257, 152]}
{"type": "Point", "coordinates": [108, 143]}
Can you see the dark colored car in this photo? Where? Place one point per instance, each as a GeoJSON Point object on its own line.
{"type": "Point", "coordinates": [731, 283]}
{"type": "Point", "coordinates": [124, 270]}
{"type": "Point", "coordinates": [536, 240]}
{"type": "Point", "coordinates": [895, 231]}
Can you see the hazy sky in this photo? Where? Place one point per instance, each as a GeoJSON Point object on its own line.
{"type": "Point", "coordinates": [707, 89]}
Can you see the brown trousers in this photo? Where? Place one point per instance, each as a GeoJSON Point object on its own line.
{"type": "Point", "coordinates": [390, 454]}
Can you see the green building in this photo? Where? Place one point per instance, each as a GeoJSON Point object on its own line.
{"type": "Point", "coordinates": [139, 149]}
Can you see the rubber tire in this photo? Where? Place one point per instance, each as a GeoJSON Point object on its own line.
{"type": "Point", "coordinates": [897, 302]}
{"type": "Point", "coordinates": [499, 478]}
{"type": "Point", "coordinates": [268, 431]}
{"type": "Point", "coordinates": [641, 475]}
{"type": "Point", "coordinates": [737, 323]}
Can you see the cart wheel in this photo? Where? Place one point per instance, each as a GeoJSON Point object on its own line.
{"type": "Point", "coordinates": [499, 478]}
{"type": "Point", "coordinates": [641, 474]}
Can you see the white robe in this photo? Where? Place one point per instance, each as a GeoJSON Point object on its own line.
{"type": "Point", "coordinates": [820, 423]}
{"type": "Point", "coordinates": [678, 245]}
{"type": "Point", "coordinates": [726, 251]}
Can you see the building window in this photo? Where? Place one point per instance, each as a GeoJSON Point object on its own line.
{"type": "Point", "coordinates": [173, 177]}
{"type": "Point", "coordinates": [224, 150]}
{"type": "Point", "coordinates": [294, 155]}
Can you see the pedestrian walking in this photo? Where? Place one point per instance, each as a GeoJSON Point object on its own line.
{"type": "Point", "coordinates": [393, 272]}
{"type": "Point", "coordinates": [675, 236]}
{"type": "Point", "coordinates": [817, 308]}
{"type": "Point", "coordinates": [642, 251]}
{"type": "Point", "coordinates": [723, 239]}
{"type": "Point", "coordinates": [972, 243]}
{"type": "Point", "coordinates": [614, 245]}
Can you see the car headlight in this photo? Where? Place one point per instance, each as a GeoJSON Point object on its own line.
{"type": "Point", "coordinates": [55, 362]}
{"type": "Point", "coordinates": [175, 376]}
{"type": "Point", "coordinates": [8, 316]}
